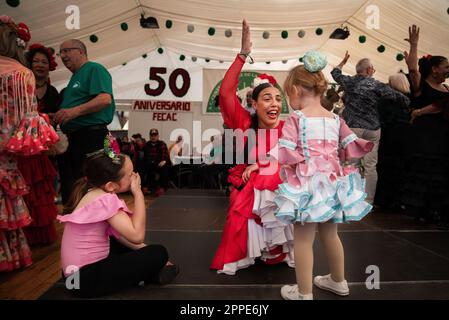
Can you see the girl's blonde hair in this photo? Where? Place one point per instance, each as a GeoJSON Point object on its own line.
{"type": "Point", "coordinates": [313, 81]}
{"type": "Point", "coordinates": [8, 44]}
{"type": "Point", "coordinates": [399, 82]}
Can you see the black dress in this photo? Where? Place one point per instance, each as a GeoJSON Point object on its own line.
{"type": "Point", "coordinates": [394, 148]}
{"type": "Point", "coordinates": [426, 187]}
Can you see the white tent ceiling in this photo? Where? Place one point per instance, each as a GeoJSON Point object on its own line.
{"type": "Point", "coordinates": [47, 20]}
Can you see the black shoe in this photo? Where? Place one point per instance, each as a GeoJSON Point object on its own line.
{"type": "Point", "coordinates": [168, 274]}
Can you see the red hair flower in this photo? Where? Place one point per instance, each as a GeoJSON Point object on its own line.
{"type": "Point", "coordinates": [270, 79]}
{"type": "Point", "coordinates": [50, 54]}
{"type": "Point", "coordinates": [264, 78]}
{"type": "Point", "coordinates": [23, 32]}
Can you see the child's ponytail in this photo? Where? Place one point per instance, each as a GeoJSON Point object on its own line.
{"type": "Point", "coordinates": [79, 191]}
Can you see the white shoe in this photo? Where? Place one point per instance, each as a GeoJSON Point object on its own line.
{"type": "Point", "coordinates": [292, 293]}
{"type": "Point", "coordinates": [326, 283]}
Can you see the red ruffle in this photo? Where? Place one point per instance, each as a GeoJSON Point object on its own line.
{"type": "Point", "coordinates": [39, 174]}
{"type": "Point", "coordinates": [234, 240]}
{"type": "Point", "coordinates": [12, 183]}
{"type": "Point", "coordinates": [268, 178]}
{"type": "Point", "coordinates": [14, 250]}
{"type": "Point", "coordinates": [13, 211]}
{"type": "Point", "coordinates": [33, 135]}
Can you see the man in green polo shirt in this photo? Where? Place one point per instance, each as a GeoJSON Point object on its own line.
{"type": "Point", "coordinates": [87, 108]}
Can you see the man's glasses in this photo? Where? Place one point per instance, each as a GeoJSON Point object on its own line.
{"type": "Point", "coordinates": [66, 50]}
{"type": "Point", "coordinates": [154, 134]}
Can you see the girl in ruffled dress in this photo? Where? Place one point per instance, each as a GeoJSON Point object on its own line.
{"type": "Point", "coordinates": [317, 191]}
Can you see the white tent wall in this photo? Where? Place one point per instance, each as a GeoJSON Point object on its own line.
{"type": "Point", "coordinates": [129, 81]}
{"type": "Point", "coordinates": [47, 21]}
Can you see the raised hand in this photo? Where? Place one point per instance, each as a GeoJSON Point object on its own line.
{"type": "Point", "coordinates": [246, 38]}
{"type": "Point", "coordinates": [345, 59]}
{"type": "Point", "coordinates": [413, 35]}
{"type": "Point", "coordinates": [411, 58]}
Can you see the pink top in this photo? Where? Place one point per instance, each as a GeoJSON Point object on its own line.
{"type": "Point", "coordinates": [86, 232]}
{"type": "Point", "coordinates": [317, 145]}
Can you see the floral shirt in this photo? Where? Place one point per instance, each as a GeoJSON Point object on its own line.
{"type": "Point", "coordinates": [362, 95]}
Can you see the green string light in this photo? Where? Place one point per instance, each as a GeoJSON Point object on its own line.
{"type": "Point", "coordinates": [160, 51]}
{"type": "Point", "coordinates": [93, 38]}
{"type": "Point", "coordinates": [211, 31]}
{"type": "Point", "coordinates": [168, 24]}
{"type": "Point", "coordinates": [124, 26]}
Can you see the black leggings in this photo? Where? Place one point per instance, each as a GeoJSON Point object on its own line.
{"type": "Point", "coordinates": [124, 267]}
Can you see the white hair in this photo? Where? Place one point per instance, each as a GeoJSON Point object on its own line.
{"type": "Point", "coordinates": [362, 65]}
{"type": "Point", "coordinates": [399, 82]}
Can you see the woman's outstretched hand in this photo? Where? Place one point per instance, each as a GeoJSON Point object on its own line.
{"type": "Point", "coordinates": [344, 61]}
{"type": "Point", "coordinates": [246, 38]}
{"type": "Point", "coordinates": [413, 35]}
{"type": "Point", "coordinates": [247, 173]}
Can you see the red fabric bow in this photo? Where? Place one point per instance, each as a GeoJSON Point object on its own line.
{"type": "Point", "coordinates": [270, 79]}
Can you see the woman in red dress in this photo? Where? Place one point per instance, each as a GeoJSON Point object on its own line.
{"type": "Point", "coordinates": [251, 230]}
{"type": "Point", "coordinates": [38, 171]}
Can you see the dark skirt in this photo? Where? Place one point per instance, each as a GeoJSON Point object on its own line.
{"type": "Point", "coordinates": [394, 149]}
{"type": "Point", "coordinates": [426, 185]}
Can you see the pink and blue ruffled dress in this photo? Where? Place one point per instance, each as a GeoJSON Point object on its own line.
{"type": "Point", "coordinates": [317, 186]}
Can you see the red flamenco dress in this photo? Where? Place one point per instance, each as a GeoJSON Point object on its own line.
{"type": "Point", "coordinates": [251, 230]}
{"type": "Point", "coordinates": [39, 174]}
{"type": "Point", "coordinates": [22, 132]}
